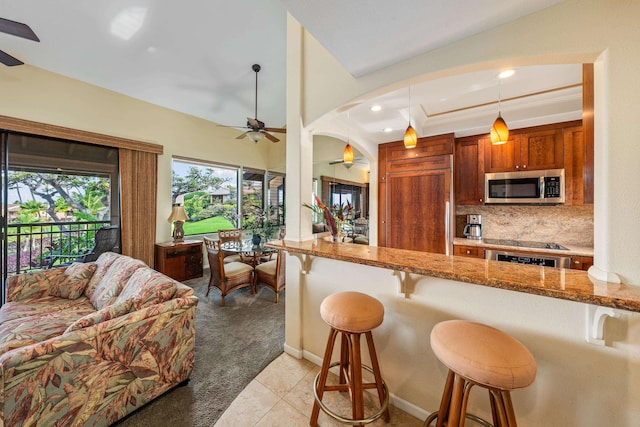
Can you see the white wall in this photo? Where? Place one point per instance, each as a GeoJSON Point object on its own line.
{"type": "Point", "coordinates": [34, 94]}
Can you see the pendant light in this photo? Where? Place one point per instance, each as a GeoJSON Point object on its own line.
{"type": "Point", "coordinates": [499, 130]}
{"type": "Point", "coordinates": [348, 155]}
{"type": "Point", "coordinates": [410, 136]}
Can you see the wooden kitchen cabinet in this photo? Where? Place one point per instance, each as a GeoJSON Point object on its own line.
{"type": "Point", "coordinates": [414, 189]}
{"type": "Point", "coordinates": [536, 148]}
{"type": "Point", "coordinates": [578, 167]}
{"type": "Point", "coordinates": [468, 251]}
{"type": "Point", "coordinates": [180, 261]}
{"type": "Point", "coordinates": [581, 262]}
{"type": "Point", "coordinates": [468, 167]}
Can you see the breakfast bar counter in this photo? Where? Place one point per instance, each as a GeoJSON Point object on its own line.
{"type": "Point", "coordinates": [572, 285]}
{"type": "Point", "coordinates": [584, 334]}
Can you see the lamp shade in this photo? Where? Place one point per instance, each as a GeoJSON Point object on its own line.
{"type": "Point", "coordinates": [410, 138]}
{"type": "Point", "coordinates": [499, 131]}
{"type": "Point", "coordinates": [178, 214]}
{"type": "Point", "coordinates": [255, 136]}
{"type": "Point", "coordinates": [348, 156]}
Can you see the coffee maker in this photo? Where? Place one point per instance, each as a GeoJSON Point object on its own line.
{"type": "Point", "coordinates": [473, 229]}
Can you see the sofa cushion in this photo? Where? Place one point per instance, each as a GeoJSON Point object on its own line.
{"type": "Point", "coordinates": [30, 330]}
{"type": "Point", "coordinates": [114, 280]}
{"type": "Point", "coordinates": [48, 304]}
{"type": "Point", "coordinates": [109, 312]}
{"type": "Point", "coordinates": [73, 280]}
{"type": "Point", "coordinates": [103, 263]}
{"type": "Point", "coordinates": [147, 287]}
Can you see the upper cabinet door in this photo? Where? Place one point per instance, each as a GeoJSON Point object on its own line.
{"type": "Point", "coordinates": [503, 157]}
{"type": "Point", "coordinates": [468, 166]}
{"type": "Point", "coordinates": [542, 150]}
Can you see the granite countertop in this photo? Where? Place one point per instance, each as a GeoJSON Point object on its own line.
{"type": "Point", "coordinates": [573, 285]}
{"type": "Point", "coordinates": [572, 249]}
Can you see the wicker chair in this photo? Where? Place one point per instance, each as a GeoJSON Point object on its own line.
{"type": "Point", "coordinates": [228, 277]}
{"type": "Point", "coordinates": [107, 239]}
{"type": "Point", "coordinates": [271, 274]}
{"type": "Point", "coordinates": [230, 235]}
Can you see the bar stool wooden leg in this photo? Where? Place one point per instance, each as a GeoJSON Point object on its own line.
{"type": "Point", "coordinates": [324, 373]}
{"type": "Point", "coordinates": [357, 400]}
{"type": "Point", "coordinates": [376, 373]}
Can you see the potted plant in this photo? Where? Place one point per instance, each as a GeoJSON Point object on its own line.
{"type": "Point", "coordinates": [259, 227]}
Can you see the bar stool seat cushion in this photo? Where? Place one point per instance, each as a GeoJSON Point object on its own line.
{"type": "Point", "coordinates": [483, 354]}
{"type": "Point", "coordinates": [352, 312]}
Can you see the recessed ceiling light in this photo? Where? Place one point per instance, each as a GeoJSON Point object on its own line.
{"type": "Point", "coordinates": [152, 49]}
{"type": "Point", "coordinates": [387, 130]}
{"type": "Point", "coordinates": [506, 73]}
{"type": "Point", "coordinates": [128, 22]}
{"type": "Point", "coordinates": [376, 108]}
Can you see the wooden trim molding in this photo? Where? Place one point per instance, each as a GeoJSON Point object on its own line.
{"type": "Point", "coordinates": [53, 131]}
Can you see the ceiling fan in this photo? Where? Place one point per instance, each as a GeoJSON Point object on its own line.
{"type": "Point", "coordinates": [257, 129]}
{"type": "Point", "coordinates": [17, 29]}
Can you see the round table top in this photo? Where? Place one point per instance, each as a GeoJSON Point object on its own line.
{"type": "Point", "coordinates": [245, 246]}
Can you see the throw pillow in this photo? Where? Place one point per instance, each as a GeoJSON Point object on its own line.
{"type": "Point", "coordinates": [71, 283]}
{"type": "Point", "coordinates": [109, 312]}
{"type": "Point", "coordinates": [147, 287]}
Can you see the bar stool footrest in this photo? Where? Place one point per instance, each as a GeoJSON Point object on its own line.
{"type": "Point", "coordinates": [339, 417]}
{"type": "Point", "coordinates": [434, 416]}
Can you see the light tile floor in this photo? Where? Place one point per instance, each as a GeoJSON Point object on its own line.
{"type": "Point", "coordinates": [281, 395]}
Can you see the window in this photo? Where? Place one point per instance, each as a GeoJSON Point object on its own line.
{"type": "Point", "coordinates": [214, 200]}
{"type": "Point", "coordinates": [275, 198]}
{"type": "Point", "coordinates": [209, 194]}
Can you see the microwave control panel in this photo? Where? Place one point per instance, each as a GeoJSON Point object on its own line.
{"type": "Point", "coordinates": [552, 187]}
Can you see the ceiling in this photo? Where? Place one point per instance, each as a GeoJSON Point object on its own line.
{"type": "Point", "coordinates": [195, 57]}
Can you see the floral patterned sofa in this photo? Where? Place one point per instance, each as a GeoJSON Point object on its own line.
{"type": "Point", "coordinates": [87, 344]}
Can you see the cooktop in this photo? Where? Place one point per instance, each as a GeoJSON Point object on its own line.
{"type": "Point", "coordinates": [525, 244]}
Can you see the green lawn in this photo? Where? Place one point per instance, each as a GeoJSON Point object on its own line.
{"type": "Point", "coordinates": [209, 225]}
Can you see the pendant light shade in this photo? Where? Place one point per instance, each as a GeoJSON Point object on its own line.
{"type": "Point", "coordinates": [499, 131]}
{"type": "Point", "coordinates": [410, 137]}
{"type": "Point", "coordinates": [348, 156]}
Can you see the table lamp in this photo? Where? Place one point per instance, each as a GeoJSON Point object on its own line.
{"type": "Point", "coordinates": [177, 218]}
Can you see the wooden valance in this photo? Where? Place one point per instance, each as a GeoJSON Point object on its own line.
{"type": "Point", "coordinates": [53, 131]}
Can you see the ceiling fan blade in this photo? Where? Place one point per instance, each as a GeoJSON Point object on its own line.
{"type": "Point", "coordinates": [270, 137]}
{"type": "Point", "coordinates": [9, 60]}
{"type": "Point", "coordinates": [279, 130]}
{"type": "Point", "coordinates": [17, 29]}
{"type": "Point", "coordinates": [243, 135]}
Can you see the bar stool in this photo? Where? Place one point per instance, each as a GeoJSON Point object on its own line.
{"type": "Point", "coordinates": [478, 354]}
{"type": "Point", "coordinates": [350, 314]}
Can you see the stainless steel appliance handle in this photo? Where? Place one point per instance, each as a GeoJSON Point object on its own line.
{"type": "Point", "coordinates": [447, 225]}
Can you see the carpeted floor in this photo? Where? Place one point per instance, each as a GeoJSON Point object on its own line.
{"type": "Point", "coordinates": [233, 344]}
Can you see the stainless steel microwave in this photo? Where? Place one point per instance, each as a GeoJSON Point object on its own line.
{"type": "Point", "coordinates": [536, 187]}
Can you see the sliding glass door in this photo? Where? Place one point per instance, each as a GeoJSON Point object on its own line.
{"type": "Point", "coordinates": [4, 153]}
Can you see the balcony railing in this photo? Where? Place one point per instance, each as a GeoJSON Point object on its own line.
{"type": "Point", "coordinates": [45, 245]}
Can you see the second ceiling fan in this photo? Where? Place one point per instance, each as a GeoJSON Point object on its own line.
{"type": "Point", "coordinates": [257, 129]}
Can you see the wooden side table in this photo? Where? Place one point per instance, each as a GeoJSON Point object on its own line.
{"type": "Point", "coordinates": [180, 261]}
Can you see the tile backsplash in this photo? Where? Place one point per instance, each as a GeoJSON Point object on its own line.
{"type": "Point", "coordinates": [569, 225]}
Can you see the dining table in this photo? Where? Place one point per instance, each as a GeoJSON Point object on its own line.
{"type": "Point", "coordinates": [248, 250]}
